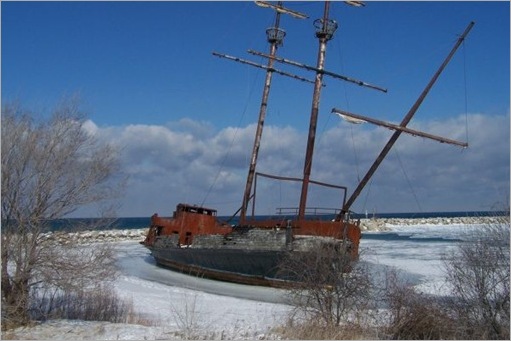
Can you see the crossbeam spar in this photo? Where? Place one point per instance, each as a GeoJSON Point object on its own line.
{"type": "Point", "coordinates": [361, 119]}
{"type": "Point", "coordinates": [264, 67]}
{"type": "Point", "coordinates": [315, 69]}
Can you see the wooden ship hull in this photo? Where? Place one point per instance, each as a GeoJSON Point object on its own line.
{"type": "Point", "coordinates": [194, 242]}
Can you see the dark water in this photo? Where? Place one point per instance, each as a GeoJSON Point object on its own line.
{"type": "Point", "coordinates": [142, 222]}
{"type": "Point", "coordinates": [96, 224]}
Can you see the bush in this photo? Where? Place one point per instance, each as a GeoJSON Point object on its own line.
{"type": "Point", "coordinates": [478, 276]}
{"type": "Point", "coordinates": [414, 315]}
{"type": "Point", "coordinates": [99, 304]}
{"type": "Point", "coordinates": [478, 273]}
{"type": "Point", "coordinates": [329, 286]}
{"type": "Point", "coordinates": [316, 330]}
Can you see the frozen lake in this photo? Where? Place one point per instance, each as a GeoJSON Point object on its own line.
{"type": "Point", "coordinates": [416, 251]}
{"type": "Point", "coordinates": [232, 311]}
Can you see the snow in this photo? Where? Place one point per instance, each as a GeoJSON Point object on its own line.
{"type": "Point", "coordinates": [181, 306]}
{"type": "Point", "coordinates": [84, 330]}
{"type": "Point", "coordinates": [180, 310]}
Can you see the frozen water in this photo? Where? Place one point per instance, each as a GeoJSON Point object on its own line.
{"type": "Point", "coordinates": [219, 310]}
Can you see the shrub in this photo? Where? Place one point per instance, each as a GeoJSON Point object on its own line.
{"type": "Point", "coordinates": [97, 304]}
{"type": "Point", "coordinates": [329, 286]}
{"type": "Point", "coordinates": [414, 315]}
{"type": "Point", "coordinates": [478, 273]}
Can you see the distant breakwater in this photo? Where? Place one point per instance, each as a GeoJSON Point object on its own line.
{"type": "Point", "coordinates": [366, 224]}
{"type": "Point", "coordinates": [89, 237]}
{"type": "Point", "coordinates": [385, 224]}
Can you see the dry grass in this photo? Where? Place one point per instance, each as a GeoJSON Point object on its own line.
{"type": "Point", "coordinates": [315, 330]}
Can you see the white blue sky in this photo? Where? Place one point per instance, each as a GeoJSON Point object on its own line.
{"type": "Point", "coordinates": [185, 119]}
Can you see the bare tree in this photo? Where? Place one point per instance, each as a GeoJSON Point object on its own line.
{"type": "Point", "coordinates": [50, 168]}
{"type": "Point", "coordinates": [329, 285]}
{"type": "Point", "coordinates": [478, 274]}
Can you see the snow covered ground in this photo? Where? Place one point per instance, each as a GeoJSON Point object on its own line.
{"type": "Point", "coordinates": [182, 306]}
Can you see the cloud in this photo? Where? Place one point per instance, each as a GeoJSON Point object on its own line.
{"type": "Point", "coordinates": [190, 161]}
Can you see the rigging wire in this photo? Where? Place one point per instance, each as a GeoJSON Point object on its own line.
{"type": "Point", "coordinates": [222, 164]}
{"type": "Point", "coordinates": [249, 95]}
{"type": "Point", "coordinates": [280, 193]}
{"type": "Point", "coordinates": [346, 99]}
{"type": "Point", "coordinates": [367, 194]}
{"type": "Point", "coordinates": [465, 88]}
{"type": "Point", "coordinates": [355, 153]}
{"type": "Point", "coordinates": [408, 179]}
{"type": "Point", "coordinates": [411, 69]}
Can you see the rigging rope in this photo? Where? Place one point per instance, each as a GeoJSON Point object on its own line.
{"type": "Point", "coordinates": [345, 92]}
{"type": "Point", "coordinates": [251, 91]}
{"type": "Point", "coordinates": [355, 153]}
{"type": "Point", "coordinates": [367, 194]}
{"type": "Point", "coordinates": [408, 180]}
{"type": "Point", "coordinates": [465, 88]}
{"type": "Point", "coordinates": [353, 144]}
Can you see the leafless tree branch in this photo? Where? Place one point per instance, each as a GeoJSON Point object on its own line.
{"type": "Point", "coordinates": [49, 170]}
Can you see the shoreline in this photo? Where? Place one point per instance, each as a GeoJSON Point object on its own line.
{"type": "Point", "coordinates": [385, 224]}
{"type": "Point", "coordinates": [366, 225]}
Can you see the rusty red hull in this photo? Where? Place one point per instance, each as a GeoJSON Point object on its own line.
{"type": "Point", "coordinates": [193, 241]}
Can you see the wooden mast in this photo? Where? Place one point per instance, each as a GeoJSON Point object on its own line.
{"type": "Point", "coordinates": [275, 37]}
{"type": "Point", "coordinates": [325, 31]}
{"type": "Point", "coordinates": [403, 124]}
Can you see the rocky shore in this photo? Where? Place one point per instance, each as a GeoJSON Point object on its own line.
{"type": "Point", "coordinates": [86, 237]}
{"type": "Point", "coordinates": [379, 224]}
{"type": "Point", "coordinates": [385, 224]}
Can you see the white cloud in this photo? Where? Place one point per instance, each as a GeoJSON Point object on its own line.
{"type": "Point", "coordinates": [189, 161]}
{"type": "Point", "coordinates": [90, 127]}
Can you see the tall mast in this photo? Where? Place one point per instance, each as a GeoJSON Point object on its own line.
{"type": "Point", "coordinates": [275, 37]}
{"type": "Point", "coordinates": [325, 31]}
{"type": "Point", "coordinates": [403, 124]}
